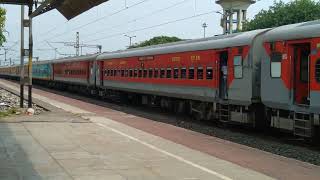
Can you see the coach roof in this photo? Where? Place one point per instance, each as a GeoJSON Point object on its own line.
{"type": "Point", "coordinates": [71, 59]}
{"type": "Point", "coordinates": [217, 42]}
{"type": "Point", "coordinates": [294, 31]}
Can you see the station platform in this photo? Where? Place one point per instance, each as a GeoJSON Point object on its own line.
{"type": "Point", "coordinates": [79, 140]}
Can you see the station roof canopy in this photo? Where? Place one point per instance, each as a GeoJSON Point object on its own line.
{"type": "Point", "coordinates": [68, 8]}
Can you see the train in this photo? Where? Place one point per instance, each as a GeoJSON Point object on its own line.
{"type": "Point", "coordinates": [262, 78]}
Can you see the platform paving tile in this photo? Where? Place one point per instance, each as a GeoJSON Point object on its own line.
{"type": "Point", "coordinates": [58, 147]}
{"type": "Point", "coordinates": [87, 151]}
{"type": "Point", "coordinates": [23, 157]}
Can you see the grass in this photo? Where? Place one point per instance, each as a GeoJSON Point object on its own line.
{"type": "Point", "coordinates": [9, 112]}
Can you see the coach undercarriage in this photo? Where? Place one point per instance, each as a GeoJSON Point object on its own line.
{"type": "Point", "coordinates": [199, 110]}
{"type": "Point", "coordinates": [302, 124]}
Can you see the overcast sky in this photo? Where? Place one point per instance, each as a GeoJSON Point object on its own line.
{"type": "Point", "coordinates": [106, 24]}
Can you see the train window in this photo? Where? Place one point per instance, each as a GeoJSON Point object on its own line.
{"type": "Point", "coordinates": [150, 73]}
{"type": "Point", "coordinates": [162, 73]}
{"type": "Point", "coordinates": [191, 73]}
{"type": "Point", "coordinates": [169, 73]}
{"type": "Point", "coordinates": [200, 73]}
{"type": "Point", "coordinates": [276, 58]}
{"type": "Point", "coordinates": [126, 73]}
{"type": "Point", "coordinates": [130, 72]}
{"type": "Point", "coordinates": [135, 74]}
{"type": "Point", "coordinates": [145, 73]}
{"type": "Point", "coordinates": [183, 73]}
{"type": "Point", "coordinates": [317, 75]}
{"type": "Point", "coordinates": [140, 73]}
{"type": "Point", "coordinates": [156, 73]}
{"type": "Point", "coordinates": [176, 73]}
{"type": "Point", "coordinates": [115, 72]}
{"type": "Point", "coordinates": [122, 73]}
{"type": "Point", "coordinates": [237, 63]}
{"type": "Point", "coordinates": [209, 73]}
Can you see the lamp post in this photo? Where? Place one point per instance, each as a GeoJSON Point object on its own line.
{"type": "Point", "coordinates": [130, 39]}
{"type": "Point", "coordinates": [204, 26]}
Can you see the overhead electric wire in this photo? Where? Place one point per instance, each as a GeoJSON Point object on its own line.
{"type": "Point", "coordinates": [96, 20]}
{"type": "Point", "coordinates": [109, 15]}
{"type": "Point", "coordinates": [150, 27]}
{"type": "Point", "coordinates": [52, 29]}
{"type": "Point", "coordinates": [137, 19]}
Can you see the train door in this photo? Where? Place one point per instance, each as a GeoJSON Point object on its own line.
{"type": "Point", "coordinates": [99, 74]}
{"type": "Point", "coordinates": [92, 73]}
{"type": "Point", "coordinates": [315, 74]}
{"type": "Point", "coordinates": [301, 81]}
{"type": "Point", "coordinates": [223, 74]}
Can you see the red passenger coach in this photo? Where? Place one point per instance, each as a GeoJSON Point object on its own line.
{"type": "Point", "coordinates": [73, 70]}
{"type": "Point", "coordinates": [199, 75]}
{"type": "Point", "coordinates": [197, 69]}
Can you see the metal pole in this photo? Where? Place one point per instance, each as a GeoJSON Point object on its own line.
{"type": "Point", "coordinates": [130, 39]}
{"type": "Point", "coordinates": [100, 48]}
{"type": "Point", "coordinates": [231, 22]}
{"type": "Point", "coordinates": [77, 44]}
{"type": "Point", "coordinates": [204, 25]}
{"type": "Point", "coordinates": [5, 56]}
{"type": "Point", "coordinates": [30, 58]}
{"type": "Point", "coordinates": [22, 58]}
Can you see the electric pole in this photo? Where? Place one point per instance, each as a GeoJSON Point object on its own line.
{"type": "Point", "coordinates": [77, 46]}
{"type": "Point", "coordinates": [204, 26]}
{"type": "Point", "coordinates": [130, 39]}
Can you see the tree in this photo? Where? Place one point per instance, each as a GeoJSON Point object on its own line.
{"type": "Point", "coordinates": [155, 41]}
{"type": "Point", "coordinates": [281, 13]}
{"type": "Point", "coordinates": [2, 25]}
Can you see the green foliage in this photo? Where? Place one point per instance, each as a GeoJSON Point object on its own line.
{"type": "Point", "coordinates": [156, 40]}
{"type": "Point", "coordinates": [2, 25]}
{"type": "Point", "coordinates": [281, 13]}
{"type": "Point", "coordinates": [7, 113]}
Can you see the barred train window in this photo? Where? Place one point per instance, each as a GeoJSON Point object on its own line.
{"type": "Point", "coordinates": [318, 71]}
{"type": "Point", "coordinates": [162, 73]}
{"type": "Point", "coordinates": [150, 73]}
{"type": "Point", "coordinates": [200, 73]}
{"type": "Point", "coordinates": [156, 73]}
{"type": "Point", "coordinates": [169, 72]}
{"type": "Point", "coordinates": [191, 73]}
{"type": "Point", "coordinates": [175, 73]}
{"type": "Point", "coordinates": [140, 73]}
{"type": "Point", "coordinates": [145, 73]}
{"type": "Point", "coordinates": [276, 58]}
{"type": "Point", "coordinates": [135, 73]}
{"type": "Point", "coordinates": [209, 73]}
{"type": "Point", "coordinates": [183, 73]}
{"type": "Point", "coordinates": [238, 69]}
